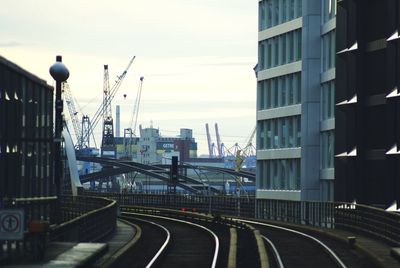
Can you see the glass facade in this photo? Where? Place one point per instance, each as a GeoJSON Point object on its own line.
{"type": "Point", "coordinates": [279, 50]}
{"type": "Point", "coordinates": [279, 91]}
{"type": "Point", "coordinates": [327, 148]}
{"type": "Point", "coordinates": [329, 8]}
{"type": "Point", "coordinates": [328, 100]}
{"type": "Point", "coordinates": [278, 174]}
{"type": "Point", "coordinates": [277, 133]}
{"type": "Point", "coordinates": [328, 51]}
{"type": "Point", "coordinates": [275, 12]}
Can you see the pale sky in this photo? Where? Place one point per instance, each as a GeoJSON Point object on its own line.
{"type": "Point", "coordinates": [197, 57]}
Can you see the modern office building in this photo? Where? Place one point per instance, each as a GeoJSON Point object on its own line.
{"type": "Point", "coordinates": [367, 162]}
{"type": "Point", "coordinates": [295, 99]}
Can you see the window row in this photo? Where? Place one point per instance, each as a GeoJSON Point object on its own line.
{"type": "Point", "coordinates": [279, 91]}
{"type": "Point", "coordinates": [329, 8]}
{"type": "Point", "coordinates": [274, 12]}
{"type": "Point", "coordinates": [328, 100]}
{"type": "Point", "coordinates": [279, 50]}
{"type": "Point", "coordinates": [283, 132]}
{"type": "Point", "coordinates": [328, 51]}
{"type": "Point", "coordinates": [327, 149]}
{"type": "Point", "coordinates": [28, 105]}
{"type": "Point", "coordinates": [279, 174]}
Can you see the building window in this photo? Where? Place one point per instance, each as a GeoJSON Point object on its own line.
{"type": "Point", "coordinates": [279, 174]}
{"type": "Point", "coordinates": [329, 8]}
{"type": "Point", "coordinates": [277, 133]}
{"type": "Point", "coordinates": [328, 100]}
{"type": "Point", "coordinates": [279, 91]}
{"type": "Point", "coordinates": [327, 149]}
{"type": "Point", "coordinates": [328, 51]}
{"type": "Point", "coordinates": [275, 12]}
{"type": "Point", "coordinates": [279, 50]}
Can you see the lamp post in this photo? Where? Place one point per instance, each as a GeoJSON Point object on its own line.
{"type": "Point", "coordinates": [59, 73]}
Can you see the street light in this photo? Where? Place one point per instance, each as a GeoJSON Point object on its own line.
{"type": "Point", "coordinates": [59, 73]}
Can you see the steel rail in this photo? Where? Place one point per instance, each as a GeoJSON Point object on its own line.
{"type": "Point", "coordinates": [164, 245]}
{"type": "Point", "coordinates": [275, 251]}
{"type": "Point", "coordinates": [216, 251]}
{"type": "Point", "coordinates": [325, 247]}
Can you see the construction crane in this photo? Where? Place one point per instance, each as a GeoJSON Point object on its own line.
{"type": "Point", "coordinates": [130, 132]}
{"type": "Point", "coordinates": [102, 110]}
{"type": "Point", "coordinates": [249, 149]}
{"type": "Point", "coordinates": [69, 100]}
{"type": "Point", "coordinates": [136, 107]}
{"type": "Point", "coordinates": [108, 148]}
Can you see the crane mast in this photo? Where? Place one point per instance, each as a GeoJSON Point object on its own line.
{"type": "Point", "coordinates": [106, 100]}
{"type": "Point", "coordinates": [108, 148]}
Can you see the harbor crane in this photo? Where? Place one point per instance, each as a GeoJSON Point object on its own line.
{"type": "Point", "coordinates": [130, 132]}
{"type": "Point", "coordinates": [69, 100]}
{"type": "Point", "coordinates": [104, 110]}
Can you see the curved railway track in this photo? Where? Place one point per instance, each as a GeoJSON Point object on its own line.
{"type": "Point", "coordinates": [293, 248]}
{"type": "Point", "coordinates": [176, 239]}
{"type": "Point", "coordinates": [188, 243]}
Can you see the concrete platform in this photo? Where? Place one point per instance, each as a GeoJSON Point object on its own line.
{"type": "Point", "coordinates": [62, 254]}
{"type": "Point", "coordinates": [378, 251]}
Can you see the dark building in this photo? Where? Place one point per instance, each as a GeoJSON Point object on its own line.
{"type": "Point", "coordinates": [26, 134]}
{"type": "Point", "coordinates": [367, 133]}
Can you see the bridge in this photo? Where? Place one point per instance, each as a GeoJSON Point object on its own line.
{"type": "Point", "coordinates": [160, 172]}
{"type": "Point", "coordinates": [121, 229]}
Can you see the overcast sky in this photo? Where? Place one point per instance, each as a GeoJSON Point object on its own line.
{"type": "Point", "coordinates": [197, 57]}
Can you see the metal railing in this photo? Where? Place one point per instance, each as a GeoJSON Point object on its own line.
{"type": "Point", "coordinates": [369, 220]}
{"type": "Point", "coordinates": [360, 218]}
{"type": "Point", "coordinates": [76, 219]}
{"type": "Point", "coordinates": [85, 218]}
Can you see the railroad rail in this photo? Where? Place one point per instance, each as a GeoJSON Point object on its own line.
{"type": "Point", "coordinates": [234, 242]}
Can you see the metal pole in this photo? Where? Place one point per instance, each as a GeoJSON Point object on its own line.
{"type": "Point", "coordinates": [57, 135]}
{"type": "Point", "coordinates": [209, 197]}
{"type": "Point", "coordinates": [59, 73]}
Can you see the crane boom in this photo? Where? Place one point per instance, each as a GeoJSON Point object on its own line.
{"type": "Point", "coordinates": [130, 132]}
{"type": "Point", "coordinates": [100, 111]}
{"type": "Point", "coordinates": [210, 147]}
{"type": "Point", "coordinates": [69, 100]}
{"type": "Point", "coordinates": [135, 113]}
{"type": "Point", "coordinates": [218, 140]}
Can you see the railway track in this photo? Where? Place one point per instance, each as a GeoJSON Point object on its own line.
{"type": "Point", "coordinates": [172, 238]}
{"type": "Point", "coordinates": [293, 248]}
{"type": "Point", "coordinates": [184, 243]}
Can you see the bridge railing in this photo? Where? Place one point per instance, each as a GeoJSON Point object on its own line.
{"type": "Point", "coordinates": [234, 206]}
{"type": "Point", "coordinates": [360, 218]}
{"type": "Point", "coordinates": [316, 214]}
{"type": "Point", "coordinates": [370, 220]}
{"type": "Point", "coordinates": [85, 218]}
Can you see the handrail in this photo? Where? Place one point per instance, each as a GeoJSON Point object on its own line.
{"type": "Point", "coordinates": [86, 225]}
{"type": "Point", "coordinates": [87, 214]}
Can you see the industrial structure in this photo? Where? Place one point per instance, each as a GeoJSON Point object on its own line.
{"type": "Point", "coordinates": [153, 147]}
{"type": "Point", "coordinates": [295, 89]}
